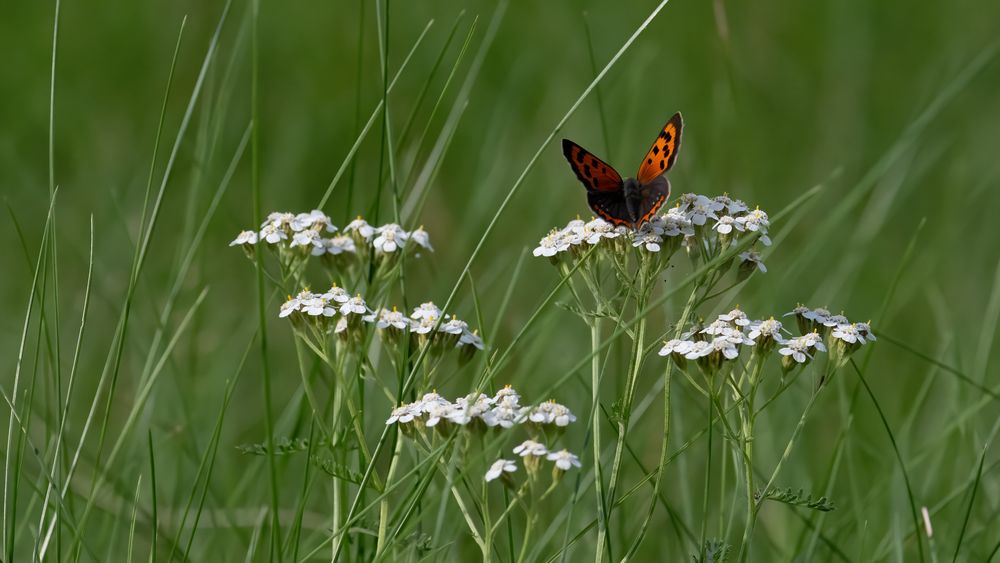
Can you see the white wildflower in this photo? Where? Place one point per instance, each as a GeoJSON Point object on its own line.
{"type": "Point", "coordinates": [500, 467]}
{"type": "Point", "coordinates": [726, 224]}
{"type": "Point", "coordinates": [390, 238]}
{"type": "Point", "coordinates": [278, 220]}
{"type": "Point", "coordinates": [470, 338]}
{"type": "Point", "coordinates": [551, 244]}
{"type": "Point", "coordinates": [403, 414]}
{"type": "Point", "coordinates": [454, 326]}
{"type": "Point", "coordinates": [361, 227]}
{"type": "Point", "coordinates": [426, 310]}
{"type": "Point", "coordinates": [736, 316]}
{"type": "Point", "coordinates": [337, 295]}
{"type": "Point", "coordinates": [310, 240]}
{"type": "Point", "coordinates": [245, 237]}
{"type": "Point", "coordinates": [531, 448]}
{"type": "Point", "coordinates": [339, 245]}
{"type": "Point", "coordinates": [273, 234]}
{"type": "Point", "coordinates": [385, 318]}
{"type": "Point", "coordinates": [551, 412]}
{"type": "Point", "coordinates": [676, 346]}
{"type": "Point", "coordinates": [766, 329]}
{"type": "Point", "coordinates": [564, 460]}
{"type": "Point", "coordinates": [752, 260]}
{"type": "Point", "coordinates": [421, 237]}
{"type": "Point", "coordinates": [355, 305]}
{"type": "Point", "coordinates": [647, 237]}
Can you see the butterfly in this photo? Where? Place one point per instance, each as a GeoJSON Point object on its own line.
{"type": "Point", "coordinates": [633, 201]}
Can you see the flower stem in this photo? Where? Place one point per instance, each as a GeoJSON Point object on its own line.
{"type": "Point", "coordinates": [626, 404]}
{"type": "Point", "coordinates": [595, 380]}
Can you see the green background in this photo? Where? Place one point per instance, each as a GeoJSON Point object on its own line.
{"type": "Point", "coordinates": [777, 97]}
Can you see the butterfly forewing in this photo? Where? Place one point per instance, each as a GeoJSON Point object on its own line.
{"type": "Point", "coordinates": [594, 173]}
{"type": "Point", "coordinates": [662, 154]}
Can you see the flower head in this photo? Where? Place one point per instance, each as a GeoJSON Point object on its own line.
{"type": "Point", "coordinates": [564, 460]}
{"type": "Point", "coordinates": [531, 448]}
{"type": "Point", "coordinates": [388, 318]}
{"type": "Point", "coordinates": [500, 467]}
{"type": "Point", "coordinates": [339, 244]}
{"type": "Point", "coordinates": [421, 237]}
{"type": "Point", "coordinates": [551, 412]}
{"type": "Point", "coordinates": [390, 237]}
{"type": "Point", "coordinates": [246, 238]}
{"type": "Point", "coordinates": [273, 234]}
{"type": "Point", "coordinates": [354, 306]}
{"type": "Point", "coordinates": [551, 244]}
{"type": "Point", "coordinates": [361, 228]}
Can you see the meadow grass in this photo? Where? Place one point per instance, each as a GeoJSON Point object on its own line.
{"type": "Point", "coordinates": [166, 401]}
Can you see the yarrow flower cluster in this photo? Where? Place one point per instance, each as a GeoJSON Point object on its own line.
{"type": "Point", "coordinates": [305, 232]}
{"type": "Point", "coordinates": [501, 411]}
{"type": "Point", "coordinates": [694, 216]}
{"type": "Point", "coordinates": [723, 339]}
{"type": "Point", "coordinates": [352, 309]}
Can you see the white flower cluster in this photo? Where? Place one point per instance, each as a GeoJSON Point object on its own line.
{"type": "Point", "coordinates": [689, 218]}
{"type": "Point", "coordinates": [503, 410]}
{"type": "Point", "coordinates": [305, 231]}
{"type": "Point", "coordinates": [339, 301]}
{"type": "Point", "coordinates": [531, 452]}
{"type": "Point", "coordinates": [724, 337]}
{"type": "Point", "coordinates": [336, 301]}
{"type": "Point", "coordinates": [840, 329]}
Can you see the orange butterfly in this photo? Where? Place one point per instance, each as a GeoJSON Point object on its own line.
{"type": "Point", "coordinates": [633, 201]}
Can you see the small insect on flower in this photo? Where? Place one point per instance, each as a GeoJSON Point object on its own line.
{"type": "Point", "coordinates": [564, 460]}
{"type": "Point", "coordinates": [247, 238]}
{"type": "Point", "coordinates": [500, 467]}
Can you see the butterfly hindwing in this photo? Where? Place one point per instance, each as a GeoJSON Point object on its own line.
{"type": "Point", "coordinates": [610, 206]}
{"type": "Point", "coordinates": [662, 154]}
{"type": "Point", "coordinates": [594, 173]}
{"type": "Point", "coordinates": [654, 195]}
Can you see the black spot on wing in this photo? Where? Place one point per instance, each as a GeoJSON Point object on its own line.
{"type": "Point", "coordinates": [656, 149]}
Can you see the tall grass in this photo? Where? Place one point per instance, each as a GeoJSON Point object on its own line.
{"type": "Point", "coordinates": [191, 422]}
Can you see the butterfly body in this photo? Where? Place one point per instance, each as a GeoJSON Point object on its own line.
{"type": "Point", "coordinates": [632, 201]}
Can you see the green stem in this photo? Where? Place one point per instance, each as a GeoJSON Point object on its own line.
{"type": "Point", "coordinates": [748, 417]}
{"type": "Point", "coordinates": [626, 410]}
{"type": "Point", "coordinates": [595, 381]}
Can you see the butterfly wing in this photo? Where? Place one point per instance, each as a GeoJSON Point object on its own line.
{"type": "Point", "coordinates": [610, 206]}
{"type": "Point", "coordinates": [662, 154]}
{"type": "Point", "coordinates": [594, 173]}
{"type": "Point", "coordinates": [654, 194]}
